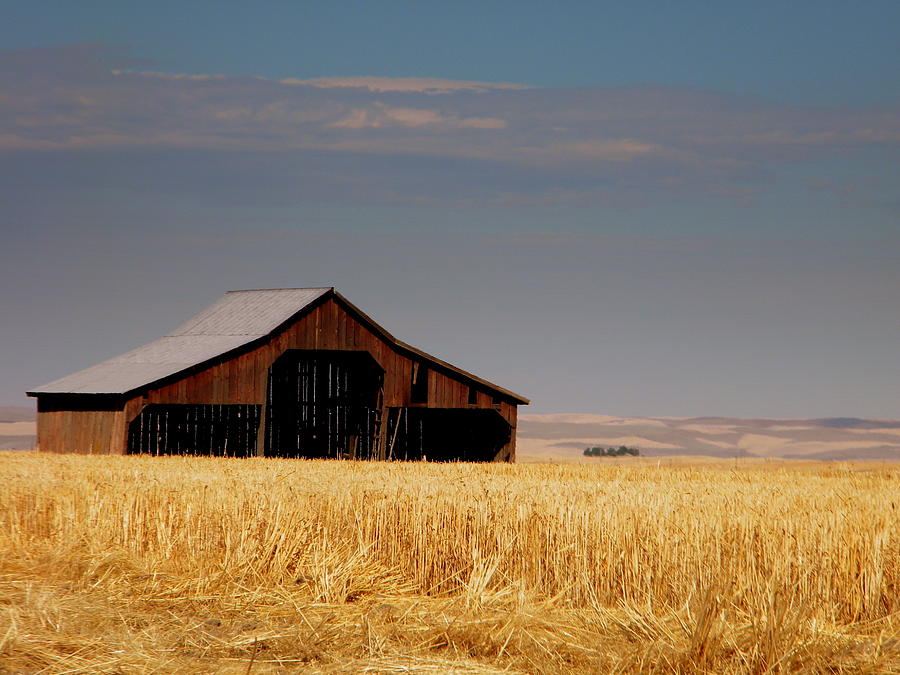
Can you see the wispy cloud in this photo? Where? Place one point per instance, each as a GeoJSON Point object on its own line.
{"type": "Point", "coordinates": [517, 143]}
{"type": "Point", "coordinates": [408, 84]}
{"type": "Point", "coordinates": [382, 115]}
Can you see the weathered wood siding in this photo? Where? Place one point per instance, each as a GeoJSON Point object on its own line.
{"type": "Point", "coordinates": [98, 432]}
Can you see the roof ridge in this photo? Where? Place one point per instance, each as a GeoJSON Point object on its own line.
{"type": "Point", "coordinates": [261, 290]}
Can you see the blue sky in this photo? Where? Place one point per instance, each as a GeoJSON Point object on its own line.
{"type": "Point", "coordinates": [804, 51]}
{"type": "Point", "coordinates": [638, 209]}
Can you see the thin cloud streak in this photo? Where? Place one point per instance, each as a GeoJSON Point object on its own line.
{"type": "Point", "coordinates": [408, 84]}
{"type": "Point", "coordinates": [382, 115]}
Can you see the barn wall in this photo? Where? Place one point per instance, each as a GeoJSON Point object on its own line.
{"type": "Point", "coordinates": [81, 431]}
{"type": "Point", "coordinates": [508, 452]}
{"type": "Point", "coordinates": [328, 326]}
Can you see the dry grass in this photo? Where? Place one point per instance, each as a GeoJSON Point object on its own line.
{"type": "Point", "coordinates": [179, 565]}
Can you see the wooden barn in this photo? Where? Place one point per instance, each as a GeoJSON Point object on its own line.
{"type": "Point", "coordinates": [292, 372]}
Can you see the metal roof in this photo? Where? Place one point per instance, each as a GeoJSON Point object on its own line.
{"type": "Point", "coordinates": [236, 319]}
{"type": "Point", "coordinates": [255, 313]}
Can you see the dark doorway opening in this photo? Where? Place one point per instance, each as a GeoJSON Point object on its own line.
{"type": "Point", "coordinates": [324, 404]}
{"type": "Point", "coordinates": [446, 434]}
{"type": "Point", "coordinates": [419, 389]}
{"type": "Point", "coordinates": [220, 430]}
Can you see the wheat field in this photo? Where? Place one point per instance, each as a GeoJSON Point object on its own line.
{"type": "Point", "coordinates": [186, 565]}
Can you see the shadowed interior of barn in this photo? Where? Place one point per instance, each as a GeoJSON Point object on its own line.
{"type": "Point", "coordinates": [279, 373]}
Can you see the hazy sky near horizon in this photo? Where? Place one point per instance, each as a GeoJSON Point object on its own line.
{"type": "Point", "coordinates": [628, 209]}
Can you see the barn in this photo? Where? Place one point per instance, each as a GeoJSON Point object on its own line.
{"type": "Point", "coordinates": [288, 372]}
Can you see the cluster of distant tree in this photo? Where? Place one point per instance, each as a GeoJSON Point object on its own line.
{"type": "Point", "coordinates": [611, 452]}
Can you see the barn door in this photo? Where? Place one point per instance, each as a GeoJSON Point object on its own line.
{"type": "Point", "coordinates": [323, 404]}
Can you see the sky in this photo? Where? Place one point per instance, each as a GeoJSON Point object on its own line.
{"type": "Point", "coordinates": [643, 208]}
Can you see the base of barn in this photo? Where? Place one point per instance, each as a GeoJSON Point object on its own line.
{"type": "Point", "coordinates": [321, 431]}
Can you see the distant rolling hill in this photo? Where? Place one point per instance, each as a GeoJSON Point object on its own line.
{"type": "Point", "coordinates": [17, 413]}
{"type": "Point", "coordinates": [828, 438]}
{"type": "Point", "coordinates": [17, 427]}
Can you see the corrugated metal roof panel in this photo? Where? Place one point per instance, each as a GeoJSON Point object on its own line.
{"type": "Point", "coordinates": [235, 319]}
{"type": "Point", "coordinates": [254, 313]}
{"type": "Point", "coordinates": [149, 363]}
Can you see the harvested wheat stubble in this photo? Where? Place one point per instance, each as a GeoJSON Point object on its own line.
{"type": "Point", "coordinates": [137, 564]}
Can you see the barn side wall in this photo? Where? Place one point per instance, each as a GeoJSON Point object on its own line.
{"type": "Point", "coordinates": [98, 432]}
{"type": "Point", "coordinates": [243, 380]}
{"type": "Point", "coordinates": [508, 452]}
